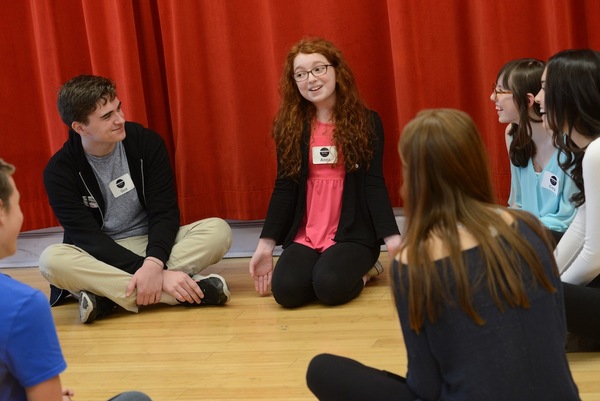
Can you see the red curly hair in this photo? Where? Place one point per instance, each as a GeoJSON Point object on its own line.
{"type": "Point", "coordinates": [353, 131]}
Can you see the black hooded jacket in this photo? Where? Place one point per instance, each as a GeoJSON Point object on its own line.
{"type": "Point", "coordinates": [77, 201]}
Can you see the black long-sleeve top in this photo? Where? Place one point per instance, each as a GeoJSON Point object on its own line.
{"type": "Point", "coordinates": [516, 355]}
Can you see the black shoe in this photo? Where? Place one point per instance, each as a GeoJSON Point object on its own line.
{"type": "Point", "coordinates": [58, 296]}
{"type": "Point", "coordinates": [214, 288]}
{"type": "Point", "coordinates": [92, 307]}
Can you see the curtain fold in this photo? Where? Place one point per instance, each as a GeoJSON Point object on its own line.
{"type": "Point", "coordinates": [204, 75]}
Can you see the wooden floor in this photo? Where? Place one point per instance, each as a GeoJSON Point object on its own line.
{"type": "Point", "coordinates": [250, 349]}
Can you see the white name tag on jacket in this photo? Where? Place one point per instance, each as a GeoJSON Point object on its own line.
{"type": "Point", "coordinates": [324, 154]}
{"type": "Point", "coordinates": [550, 182]}
{"type": "Point", "coordinates": [121, 185]}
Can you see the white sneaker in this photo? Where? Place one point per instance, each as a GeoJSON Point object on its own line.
{"type": "Point", "coordinates": [376, 270]}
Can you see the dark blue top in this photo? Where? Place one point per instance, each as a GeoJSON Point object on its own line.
{"type": "Point", "coordinates": [516, 355]}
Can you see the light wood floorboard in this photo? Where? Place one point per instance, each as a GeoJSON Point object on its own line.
{"type": "Point", "coordinates": [250, 349]}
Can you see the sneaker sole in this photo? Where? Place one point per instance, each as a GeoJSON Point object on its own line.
{"type": "Point", "coordinates": [85, 311]}
{"type": "Point", "coordinates": [221, 279]}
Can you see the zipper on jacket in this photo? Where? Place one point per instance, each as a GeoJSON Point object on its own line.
{"type": "Point", "coordinates": [143, 181]}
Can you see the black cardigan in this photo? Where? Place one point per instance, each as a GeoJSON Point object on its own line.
{"type": "Point", "coordinates": [367, 215]}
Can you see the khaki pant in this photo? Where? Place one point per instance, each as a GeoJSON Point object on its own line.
{"type": "Point", "coordinates": [197, 246]}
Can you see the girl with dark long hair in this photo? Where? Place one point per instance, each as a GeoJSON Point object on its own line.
{"type": "Point", "coordinates": [570, 101]}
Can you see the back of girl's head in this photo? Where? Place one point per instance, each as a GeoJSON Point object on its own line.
{"type": "Point", "coordinates": [523, 78]}
{"type": "Point", "coordinates": [444, 162]}
{"type": "Point", "coordinates": [447, 185]}
{"type": "Point", "coordinates": [572, 92]}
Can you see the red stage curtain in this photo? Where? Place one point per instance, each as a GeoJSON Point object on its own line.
{"type": "Point", "coordinates": [204, 75]}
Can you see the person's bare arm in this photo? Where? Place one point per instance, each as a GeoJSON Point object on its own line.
{"type": "Point", "coordinates": [261, 265]}
{"type": "Point", "coordinates": [49, 390]}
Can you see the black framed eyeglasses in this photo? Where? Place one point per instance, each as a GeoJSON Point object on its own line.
{"type": "Point", "coordinates": [317, 71]}
{"type": "Point", "coordinates": [500, 91]}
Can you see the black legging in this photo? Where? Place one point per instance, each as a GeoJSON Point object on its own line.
{"type": "Point", "coordinates": [582, 307]}
{"type": "Point", "coordinates": [335, 378]}
{"type": "Point", "coordinates": [334, 277]}
{"type": "Point", "coordinates": [556, 235]}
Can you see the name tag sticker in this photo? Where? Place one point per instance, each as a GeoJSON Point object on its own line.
{"type": "Point", "coordinates": [121, 185]}
{"type": "Point", "coordinates": [324, 154]}
{"type": "Point", "coordinates": [550, 182]}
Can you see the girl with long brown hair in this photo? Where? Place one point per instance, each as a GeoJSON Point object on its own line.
{"type": "Point", "coordinates": [330, 208]}
{"type": "Point", "coordinates": [475, 285]}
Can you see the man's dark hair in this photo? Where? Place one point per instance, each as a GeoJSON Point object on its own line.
{"type": "Point", "coordinates": [80, 96]}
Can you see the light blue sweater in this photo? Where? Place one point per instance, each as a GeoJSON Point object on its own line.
{"type": "Point", "coordinates": [545, 194]}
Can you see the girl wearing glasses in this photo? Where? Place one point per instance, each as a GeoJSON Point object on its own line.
{"type": "Point", "coordinates": [570, 103]}
{"type": "Point", "coordinates": [330, 208]}
{"type": "Point", "coordinates": [475, 285]}
{"type": "Point", "coordinates": [538, 184]}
